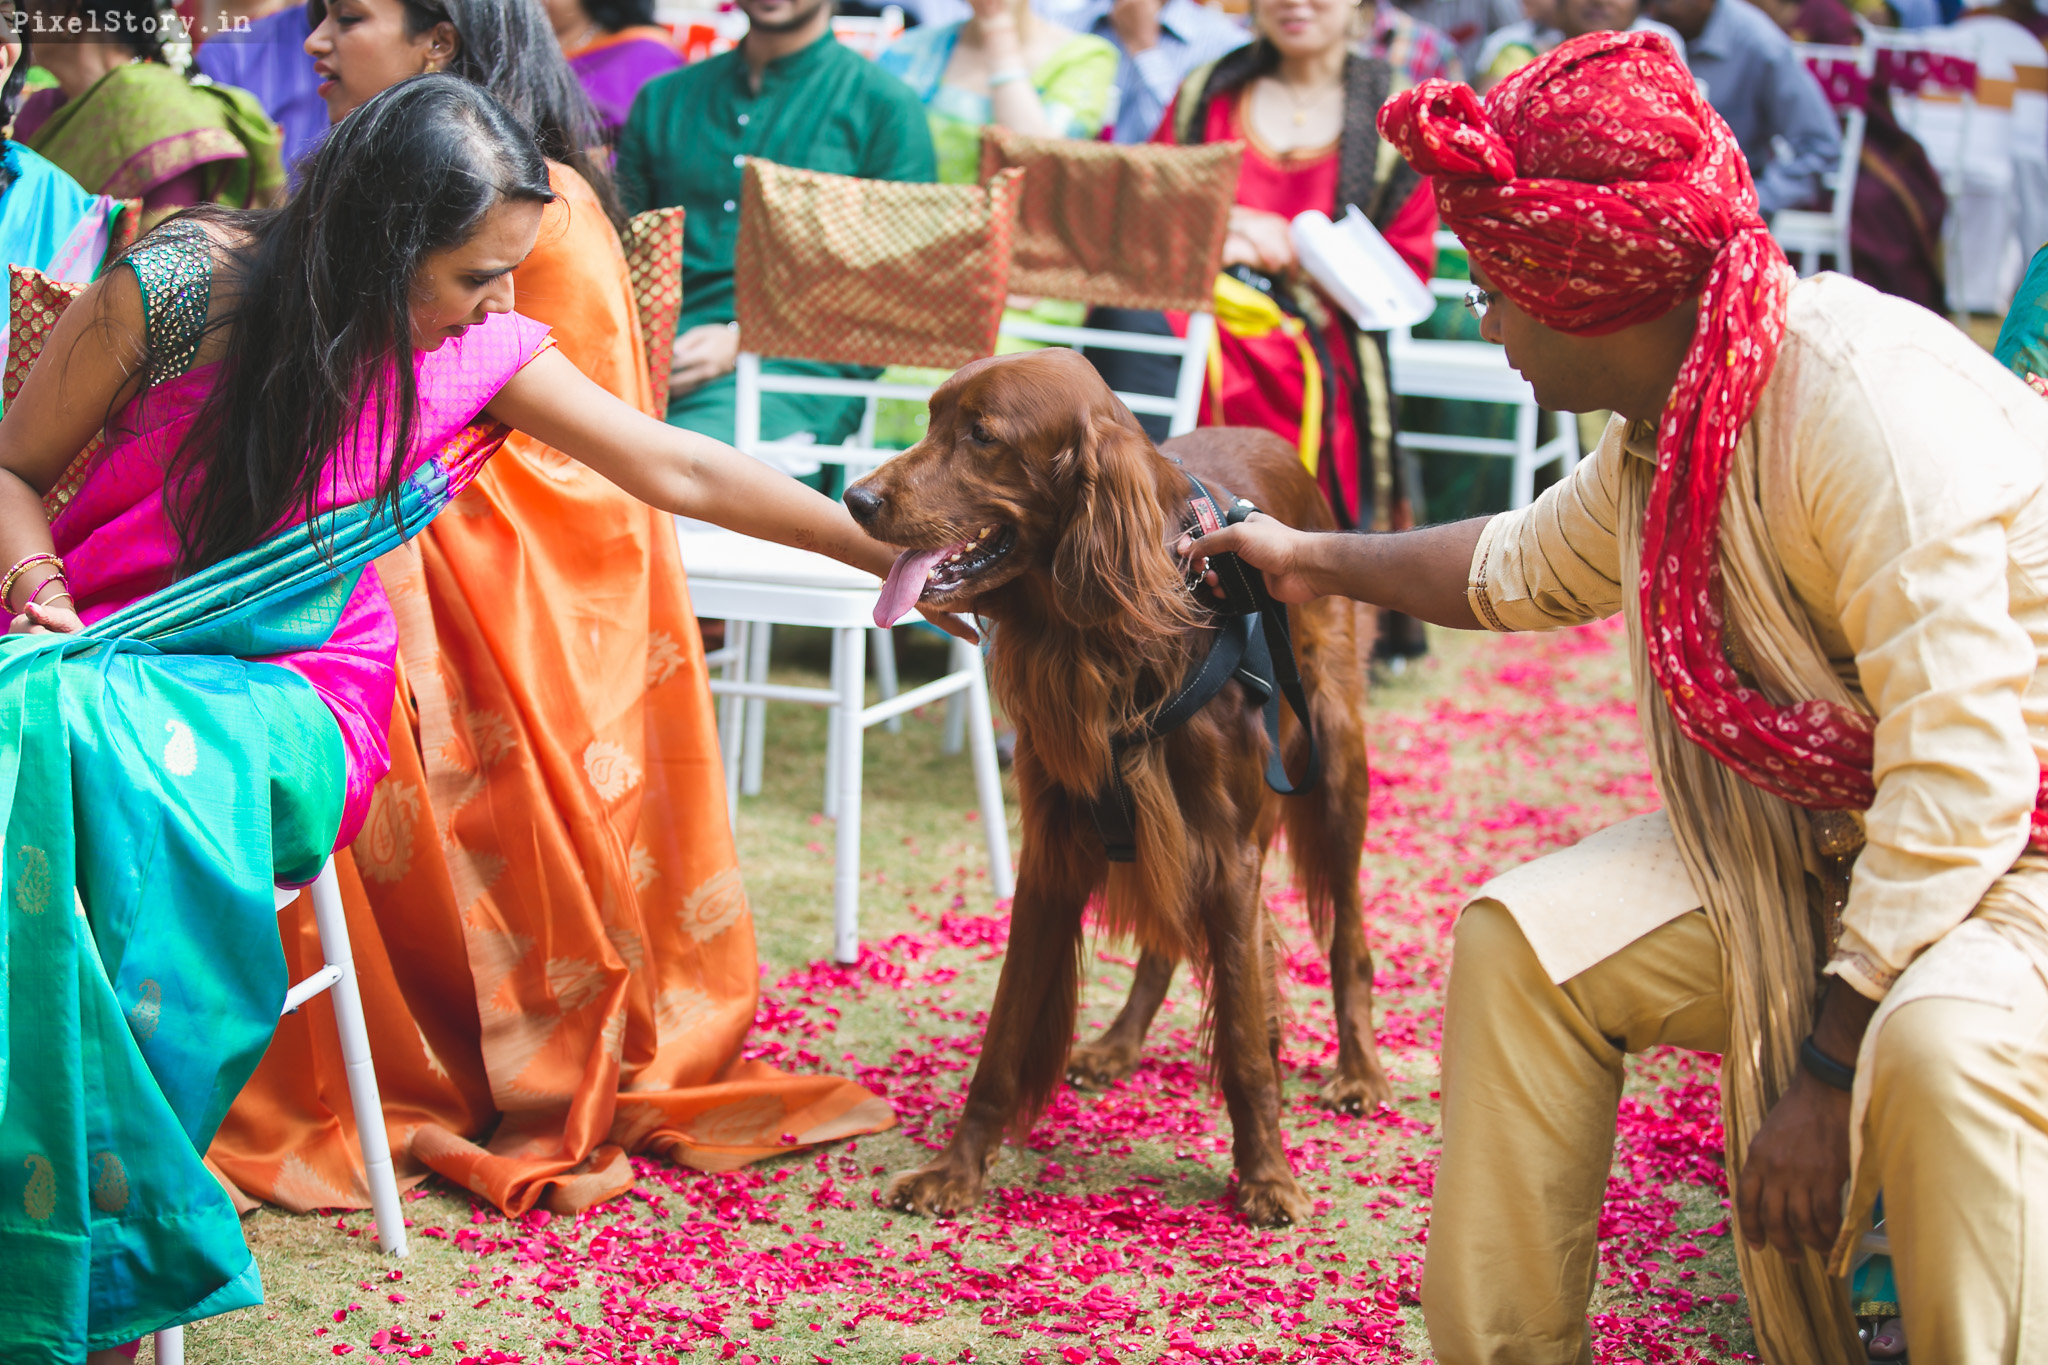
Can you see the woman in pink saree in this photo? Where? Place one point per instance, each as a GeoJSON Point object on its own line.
{"type": "Point", "coordinates": [197, 658]}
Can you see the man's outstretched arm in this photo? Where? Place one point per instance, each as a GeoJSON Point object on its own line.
{"type": "Point", "coordinates": [1421, 573]}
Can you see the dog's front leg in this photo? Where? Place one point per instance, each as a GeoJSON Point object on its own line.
{"type": "Point", "coordinates": [1031, 1024]}
{"type": "Point", "coordinates": [1240, 981]}
{"type": "Point", "coordinates": [1097, 1065]}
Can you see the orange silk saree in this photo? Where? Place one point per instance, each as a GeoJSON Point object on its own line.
{"type": "Point", "coordinates": [554, 944]}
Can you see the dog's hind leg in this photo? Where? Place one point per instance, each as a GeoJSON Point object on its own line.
{"type": "Point", "coordinates": [1240, 984]}
{"type": "Point", "coordinates": [1326, 835]}
{"type": "Point", "coordinates": [1097, 1065]}
{"type": "Point", "coordinates": [1031, 1023]}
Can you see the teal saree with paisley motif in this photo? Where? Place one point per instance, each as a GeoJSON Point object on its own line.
{"type": "Point", "coordinates": [156, 783]}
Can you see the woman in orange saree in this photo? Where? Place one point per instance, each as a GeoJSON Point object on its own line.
{"type": "Point", "coordinates": [549, 921]}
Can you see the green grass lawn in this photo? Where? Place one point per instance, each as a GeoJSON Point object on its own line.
{"type": "Point", "coordinates": [1107, 1237]}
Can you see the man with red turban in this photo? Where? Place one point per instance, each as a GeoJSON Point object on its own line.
{"type": "Point", "coordinates": [1823, 513]}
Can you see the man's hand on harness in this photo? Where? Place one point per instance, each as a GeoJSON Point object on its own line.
{"type": "Point", "coordinates": [1283, 554]}
{"type": "Point", "coordinates": [1419, 572]}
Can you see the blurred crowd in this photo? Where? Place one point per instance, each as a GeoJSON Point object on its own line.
{"type": "Point", "coordinates": [1930, 115]}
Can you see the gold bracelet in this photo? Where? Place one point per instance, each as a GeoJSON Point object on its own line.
{"type": "Point", "coordinates": [23, 564]}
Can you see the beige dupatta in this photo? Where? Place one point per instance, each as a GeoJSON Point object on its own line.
{"type": "Point", "coordinates": [1749, 854]}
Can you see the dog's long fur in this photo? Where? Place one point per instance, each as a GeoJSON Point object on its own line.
{"type": "Point", "coordinates": [1094, 629]}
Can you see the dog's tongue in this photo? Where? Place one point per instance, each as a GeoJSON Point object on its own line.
{"type": "Point", "coordinates": [905, 584]}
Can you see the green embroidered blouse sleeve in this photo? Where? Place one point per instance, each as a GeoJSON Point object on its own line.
{"type": "Point", "coordinates": [175, 271]}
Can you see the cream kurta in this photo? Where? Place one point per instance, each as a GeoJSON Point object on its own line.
{"type": "Point", "coordinates": [1903, 481]}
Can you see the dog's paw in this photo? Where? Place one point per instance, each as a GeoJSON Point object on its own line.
{"type": "Point", "coordinates": [933, 1191]}
{"type": "Point", "coordinates": [1098, 1066]}
{"type": "Point", "coordinates": [1273, 1204]}
{"type": "Point", "coordinates": [1355, 1094]}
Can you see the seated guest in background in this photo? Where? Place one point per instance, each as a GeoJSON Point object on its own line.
{"type": "Point", "coordinates": [47, 221]}
{"type": "Point", "coordinates": [1569, 19]}
{"type": "Point", "coordinates": [1303, 103]}
{"type": "Point", "coordinates": [1815, 21]}
{"type": "Point", "coordinates": [614, 47]}
{"type": "Point", "coordinates": [124, 124]}
{"type": "Point", "coordinates": [1895, 228]}
{"type": "Point", "coordinates": [1158, 42]}
{"type": "Point", "coordinates": [1417, 51]}
{"type": "Point", "coordinates": [790, 93]}
{"type": "Point", "coordinates": [1465, 22]}
{"type": "Point", "coordinates": [1504, 49]}
{"type": "Point", "coordinates": [1005, 66]}
{"type": "Point", "coordinates": [268, 59]}
{"type": "Point", "coordinates": [1748, 71]}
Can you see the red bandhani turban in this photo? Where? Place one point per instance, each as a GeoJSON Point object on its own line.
{"type": "Point", "coordinates": [1597, 189]}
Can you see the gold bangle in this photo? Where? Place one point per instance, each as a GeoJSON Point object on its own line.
{"type": "Point", "coordinates": [23, 564]}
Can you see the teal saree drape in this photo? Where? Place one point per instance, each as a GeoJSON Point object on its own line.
{"type": "Point", "coordinates": [156, 783]}
{"type": "Point", "coordinates": [2023, 340]}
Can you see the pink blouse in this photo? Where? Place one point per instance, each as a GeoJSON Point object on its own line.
{"type": "Point", "coordinates": [118, 543]}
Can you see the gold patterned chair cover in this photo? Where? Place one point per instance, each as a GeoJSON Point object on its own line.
{"type": "Point", "coordinates": [1117, 226]}
{"type": "Point", "coordinates": [872, 272]}
{"type": "Point", "coordinates": [654, 260]}
{"type": "Point", "coordinates": [34, 304]}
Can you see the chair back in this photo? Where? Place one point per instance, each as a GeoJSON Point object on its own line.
{"type": "Point", "coordinates": [871, 272]}
{"type": "Point", "coordinates": [1807, 235]}
{"type": "Point", "coordinates": [35, 302]}
{"type": "Point", "coordinates": [1117, 226]}
{"type": "Point", "coordinates": [654, 262]}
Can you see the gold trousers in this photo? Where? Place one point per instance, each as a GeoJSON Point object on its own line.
{"type": "Point", "coordinates": [1956, 1135]}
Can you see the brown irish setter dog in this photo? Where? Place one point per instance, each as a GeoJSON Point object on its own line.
{"type": "Point", "coordinates": [1036, 500]}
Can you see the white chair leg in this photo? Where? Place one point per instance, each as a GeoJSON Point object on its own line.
{"type": "Point", "coordinates": [355, 1056]}
{"type": "Point", "coordinates": [760, 636]}
{"type": "Point", "coordinates": [852, 678]}
{"type": "Point", "coordinates": [956, 723]}
{"type": "Point", "coordinates": [988, 777]}
{"type": "Point", "coordinates": [170, 1346]}
{"type": "Point", "coordinates": [835, 731]}
{"type": "Point", "coordinates": [1522, 490]}
{"type": "Point", "coordinates": [731, 720]}
{"type": "Point", "coordinates": [884, 643]}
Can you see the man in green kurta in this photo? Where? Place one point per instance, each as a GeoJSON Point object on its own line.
{"type": "Point", "coordinates": [789, 93]}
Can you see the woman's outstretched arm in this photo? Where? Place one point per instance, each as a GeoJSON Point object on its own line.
{"type": "Point", "coordinates": [676, 470]}
{"type": "Point", "coordinates": [90, 365]}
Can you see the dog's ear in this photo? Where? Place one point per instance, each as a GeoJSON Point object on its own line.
{"type": "Point", "coordinates": [1113, 564]}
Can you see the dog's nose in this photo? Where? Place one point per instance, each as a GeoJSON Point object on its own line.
{"type": "Point", "coordinates": [864, 503]}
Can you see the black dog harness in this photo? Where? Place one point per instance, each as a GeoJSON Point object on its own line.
{"type": "Point", "coordinates": [1252, 644]}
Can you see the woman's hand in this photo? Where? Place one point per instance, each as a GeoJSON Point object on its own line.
{"type": "Point", "coordinates": [701, 355]}
{"type": "Point", "coordinates": [1260, 240]}
{"type": "Point", "coordinates": [37, 619]}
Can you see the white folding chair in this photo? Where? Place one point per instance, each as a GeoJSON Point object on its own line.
{"type": "Point", "coordinates": [1478, 372]}
{"type": "Point", "coordinates": [337, 976]}
{"type": "Point", "coordinates": [754, 584]}
{"type": "Point", "coordinates": [1808, 235]}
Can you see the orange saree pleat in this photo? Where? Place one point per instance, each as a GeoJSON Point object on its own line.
{"type": "Point", "coordinates": [557, 953]}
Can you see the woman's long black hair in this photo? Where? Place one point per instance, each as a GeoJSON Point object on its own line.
{"type": "Point", "coordinates": [509, 48]}
{"type": "Point", "coordinates": [321, 309]}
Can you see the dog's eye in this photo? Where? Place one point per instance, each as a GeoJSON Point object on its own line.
{"type": "Point", "coordinates": [980, 433]}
